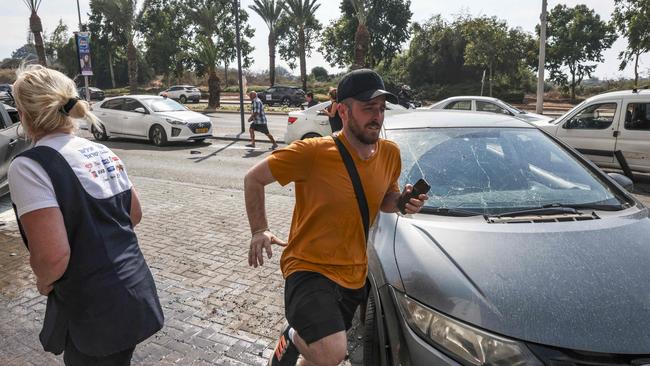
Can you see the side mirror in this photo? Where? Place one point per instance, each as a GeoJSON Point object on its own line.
{"type": "Point", "coordinates": [140, 110]}
{"type": "Point", "coordinates": [622, 180]}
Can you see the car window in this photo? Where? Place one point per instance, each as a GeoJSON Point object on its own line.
{"type": "Point", "coordinates": [495, 170]}
{"type": "Point", "coordinates": [131, 104]}
{"type": "Point", "coordinates": [637, 116]}
{"type": "Point", "coordinates": [270, 90]}
{"type": "Point", "coordinates": [163, 105]}
{"type": "Point", "coordinates": [3, 124]}
{"type": "Point", "coordinates": [113, 104]}
{"type": "Point", "coordinates": [489, 107]}
{"type": "Point", "coordinates": [594, 117]}
{"type": "Point", "coordinates": [463, 105]}
{"type": "Point", "coordinates": [14, 116]}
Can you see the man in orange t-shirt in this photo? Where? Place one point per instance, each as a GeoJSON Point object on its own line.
{"type": "Point", "coordinates": [324, 263]}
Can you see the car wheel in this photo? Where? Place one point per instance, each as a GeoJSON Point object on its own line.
{"type": "Point", "coordinates": [158, 136]}
{"type": "Point", "coordinates": [371, 346]}
{"type": "Point", "coordinates": [310, 135]}
{"type": "Point", "coordinates": [99, 133]}
{"type": "Point", "coordinates": [183, 99]}
{"type": "Point", "coordinates": [286, 101]}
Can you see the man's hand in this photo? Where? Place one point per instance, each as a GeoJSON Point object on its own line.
{"type": "Point", "coordinates": [43, 288]}
{"type": "Point", "coordinates": [414, 205]}
{"type": "Point", "coordinates": [259, 242]}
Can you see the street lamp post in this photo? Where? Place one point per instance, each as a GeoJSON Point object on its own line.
{"type": "Point", "coordinates": [239, 72]}
{"type": "Point", "coordinates": [85, 76]}
{"type": "Point", "coordinates": [539, 108]}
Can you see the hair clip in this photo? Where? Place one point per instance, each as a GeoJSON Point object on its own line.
{"type": "Point", "coordinates": [66, 108]}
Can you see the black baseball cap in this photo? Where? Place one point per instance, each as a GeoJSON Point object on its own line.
{"type": "Point", "coordinates": [363, 85]}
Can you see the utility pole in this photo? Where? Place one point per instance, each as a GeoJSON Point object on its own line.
{"type": "Point", "coordinates": [539, 108]}
{"type": "Point", "coordinates": [85, 76]}
{"type": "Point", "coordinates": [241, 83]}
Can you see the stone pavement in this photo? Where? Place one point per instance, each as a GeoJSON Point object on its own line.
{"type": "Point", "coordinates": [218, 310]}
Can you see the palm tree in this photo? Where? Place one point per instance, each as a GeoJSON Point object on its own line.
{"type": "Point", "coordinates": [301, 12]}
{"type": "Point", "coordinates": [270, 12]}
{"type": "Point", "coordinates": [362, 36]}
{"type": "Point", "coordinates": [121, 13]}
{"type": "Point", "coordinates": [36, 27]}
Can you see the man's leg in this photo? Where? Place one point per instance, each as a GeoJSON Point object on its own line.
{"type": "Point", "coordinates": [330, 350]}
{"type": "Point", "coordinates": [252, 133]}
{"type": "Point", "coordinates": [275, 144]}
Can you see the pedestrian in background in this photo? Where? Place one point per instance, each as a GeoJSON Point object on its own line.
{"type": "Point", "coordinates": [258, 121]}
{"type": "Point", "coordinates": [333, 113]}
{"type": "Point", "coordinates": [76, 210]}
{"type": "Point", "coordinates": [324, 263]}
{"type": "Point", "coordinates": [310, 100]}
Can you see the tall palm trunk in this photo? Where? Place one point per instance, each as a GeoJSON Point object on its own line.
{"type": "Point", "coordinates": [303, 61]}
{"type": "Point", "coordinates": [214, 88]}
{"type": "Point", "coordinates": [132, 65]}
{"type": "Point", "coordinates": [225, 72]}
{"type": "Point", "coordinates": [636, 69]}
{"type": "Point", "coordinates": [272, 42]}
{"type": "Point", "coordinates": [36, 27]}
{"type": "Point", "coordinates": [110, 65]}
{"type": "Point", "coordinates": [361, 41]}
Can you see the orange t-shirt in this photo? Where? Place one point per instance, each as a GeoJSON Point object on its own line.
{"type": "Point", "coordinates": [326, 230]}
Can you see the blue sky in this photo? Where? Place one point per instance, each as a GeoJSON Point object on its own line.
{"type": "Point", "coordinates": [518, 13]}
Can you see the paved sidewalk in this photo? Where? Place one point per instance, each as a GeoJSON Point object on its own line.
{"type": "Point", "coordinates": [218, 310]}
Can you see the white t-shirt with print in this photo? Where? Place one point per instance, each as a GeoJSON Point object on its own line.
{"type": "Point", "coordinates": [101, 173]}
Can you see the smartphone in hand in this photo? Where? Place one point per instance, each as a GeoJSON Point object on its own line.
{"type": "Point", "coordinates": [420, 187]}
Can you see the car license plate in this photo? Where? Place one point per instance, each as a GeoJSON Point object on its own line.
{"type": "Point", "coordinates": [202, 130]}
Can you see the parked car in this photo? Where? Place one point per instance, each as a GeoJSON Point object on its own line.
{"type": "Point", "coordinates": [605, 123]}
{"type": "Point", "coordinates": [286, 95]}
{"type": "Point", "coordinates": [6, 98]}
{"type": "Point", "coordinates": [6, 88]}
{"type": "Point", "coordinates": [95, 93]}
{"type": "Point", "coordinates": [183, 93]}
{"type": "Point", "coordinates": [525, 253]}
{"type": "Point", "coordinates": [312, 122]}
{"type": "Point", "coordinates": [151, 118]}
{"type": "Point", "coordinates": [12, 142]}
{"type": "Point", "coordinates": [487, 104]}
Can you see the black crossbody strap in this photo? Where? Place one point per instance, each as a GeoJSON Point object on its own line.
{"type": "Point", "coordinates": [356, 183]}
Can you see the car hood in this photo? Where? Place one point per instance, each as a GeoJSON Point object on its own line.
{"type": "Point", "coordinates": [577, 285]}
{"type": "Point", "coordinates": [185, 116]}
{"type": "Point", "coordinates": [533, 117]}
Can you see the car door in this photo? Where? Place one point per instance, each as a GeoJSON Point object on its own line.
{"type": "Point", "coordinates": [134, 123]}
{"type": "Point", "coordinates": [592, 130]}
{"type": "Point", "coordinates": [108, 115]}
{"type": "Point", "coordinates": [634, 136]}
{"type": "Point", "coordinates": [268, 95]}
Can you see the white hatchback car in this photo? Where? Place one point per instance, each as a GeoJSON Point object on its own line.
{"type": "Point", "coordinates": [149, 117]}
{"type": "Point", "coordinates": [183, 93]}
{"type": "Point", "coordinates": [487, 104]}
{"type": "Point", "coordinates": [312, 122]}
{"type": "Point", "coordinates": [608, 128]}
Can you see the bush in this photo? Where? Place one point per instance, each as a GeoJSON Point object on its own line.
{"type": "Point", "coordinates": [7, 76]}
{"type": "Point", "coordinates": [511, 96]}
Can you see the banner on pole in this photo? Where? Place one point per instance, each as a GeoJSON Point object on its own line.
{"type": "Point", "coordinates": [83, 51]}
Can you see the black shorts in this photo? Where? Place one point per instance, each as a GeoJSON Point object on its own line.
{"type": "Point", "coordinates": [316, 306]}
{"type": "Point", "coordinates": [260, 127]}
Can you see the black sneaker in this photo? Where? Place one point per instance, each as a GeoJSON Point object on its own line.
{"type": "Point", "coordinates": [285, 353]}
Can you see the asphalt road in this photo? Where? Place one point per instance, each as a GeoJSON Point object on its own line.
{"type": "Point", "coordinates": [230, 124]}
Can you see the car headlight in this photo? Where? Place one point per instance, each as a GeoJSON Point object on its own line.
{"type": "Point", "coordinates": [469, 345]}
{"type": "Point", "coordinates": [175, 122]}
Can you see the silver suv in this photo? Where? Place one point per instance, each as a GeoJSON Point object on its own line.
{"type": "Point", "coordinates": [182, 93]}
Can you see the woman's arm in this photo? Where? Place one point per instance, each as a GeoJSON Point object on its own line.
{"type": "Point", "coordinates": [331, 110]}
{"type": "Point", "coordinates": [136, 209]}
{"type": "Point", "coordinates": [49, 250]}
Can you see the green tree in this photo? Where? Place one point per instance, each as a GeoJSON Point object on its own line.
{"type": "Point", "coordinates": [270, 12]}
{"type": "Point", "coordinates": [387, 23]}
{"type": "Point", "coordinates": [575, 36]}
{"type": "Point", "coordinates": [160, 22]}
{"type": "Point", "coordinates": [36, 27]}
{"type": "Point", "coordinates": [632, 20]}
{"type": "Point", "coordinates": [57, 40]}
{"type": "Point", "coordinates": [298, 24]}
{"type": "Point", "coordinates": [121, 14]}
{"type": "Point", "coordinates": [320, 73]}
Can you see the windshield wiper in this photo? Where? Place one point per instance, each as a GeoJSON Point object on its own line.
{"type": "Point", "coordinates": [559, 208]}
{"type": "Point", "coordinates": [587, 206]}
{"type": "Point", "coordinates": [446, 211]}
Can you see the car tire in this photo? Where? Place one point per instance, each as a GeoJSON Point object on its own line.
{"type": "Point", "coordinates": [310, 135]}
{"type": "Point", "coordinates": [371, 346]}
{"type": "Point", "coordinates": [286, 101]}
{"type": "Point", "coordinates": [183, 99]}
{"type": "Point", "coordinates": [158, 136]}
{"type": "Point", "coordinates": [99, 133]}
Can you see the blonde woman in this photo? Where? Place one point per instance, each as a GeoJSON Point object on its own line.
{"type": "Point", "coordinates": [76, 209]}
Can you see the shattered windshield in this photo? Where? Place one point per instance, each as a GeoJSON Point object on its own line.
{"type": "Point", "coordinates": [495, 170]}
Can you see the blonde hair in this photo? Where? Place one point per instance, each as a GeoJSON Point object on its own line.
{"type": "Point", "coordinates": [40, 95]}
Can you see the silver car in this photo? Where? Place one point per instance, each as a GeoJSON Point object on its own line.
{"type": "Point", "coordinates": [489, 105]}
{"type": "Point", "coordinates": [525, 253]}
